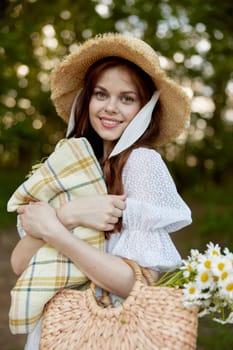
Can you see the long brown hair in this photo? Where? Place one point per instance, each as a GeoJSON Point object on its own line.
{"type": "Point", "coordinates": [113, 167]}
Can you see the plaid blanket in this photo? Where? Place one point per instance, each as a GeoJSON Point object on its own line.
{"type": "Point", "coordinates": [69, 172]}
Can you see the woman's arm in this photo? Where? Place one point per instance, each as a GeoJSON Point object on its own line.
{"type": "Point", "coordinates": [23, 252]}
{"type": "Point", "coordinates": [107, 271]}
{"type": "Point", "coordinates": [100, 212]}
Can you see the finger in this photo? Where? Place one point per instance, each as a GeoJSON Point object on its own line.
{"type": "Point", "coordinates": [20, 209]}
{"type": "Point", "coordinates": [109, 227]}
{"type": "Point", "coordinates": [113, 220]}
{"type": "Point", "coordinates": [117, 213]}
{"type": "Point", "coordinates": [119, 204]}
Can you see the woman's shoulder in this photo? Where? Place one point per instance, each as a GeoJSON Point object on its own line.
{"type": "Point", "coordinates": [148, 164]}
{"type": "Point", "coordinates": [142, 155]}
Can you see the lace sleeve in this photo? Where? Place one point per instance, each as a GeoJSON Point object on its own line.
{"type": "Point", "coordinates": [147, 180]}
{"type": "Point", "coordinates": [153, 210]}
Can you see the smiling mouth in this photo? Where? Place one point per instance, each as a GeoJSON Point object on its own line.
{"type": "Point", "coordinates": [110, 122]}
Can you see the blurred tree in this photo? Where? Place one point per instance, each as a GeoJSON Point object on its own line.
{"type": "Point", "coordinates": [3, 5]}
{"type": "Point", "coordinates": [195, 47]}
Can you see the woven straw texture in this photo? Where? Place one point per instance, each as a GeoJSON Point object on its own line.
{"type": "Point", "coordinates": [151, 318]}
{"type": "Point", "coordinates": [68, 78]}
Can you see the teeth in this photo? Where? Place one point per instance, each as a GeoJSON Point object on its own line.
{"type": "Point", "coordinates": [110, 122]}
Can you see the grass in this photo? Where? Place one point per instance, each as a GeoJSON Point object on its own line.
{"type": "Point", "coordinates": [214, 336]}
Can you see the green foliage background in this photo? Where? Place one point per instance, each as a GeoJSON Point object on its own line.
{"type": "Point", "coordinates": [194, 40]}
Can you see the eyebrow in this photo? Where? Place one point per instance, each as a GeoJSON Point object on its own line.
{"type": "Point", "coordinates": [123, 92]}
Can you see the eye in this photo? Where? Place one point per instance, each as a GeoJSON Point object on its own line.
{"type": "Point", "coordinates": [127, 99]}
{"type": "Point", "coordinates": [100, 95]}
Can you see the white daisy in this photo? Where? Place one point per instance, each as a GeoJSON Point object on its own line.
{"type": "Point", "coordinates": [229, 255]}
{"type": "Point", "coordinates": [194, 254]}
{"type": "Point", "coordinates": [206, 262]}
{"type": "Point", "coordinates": [188, 267]}
{"type": "Point", "coordinates": [227, 252]}
{"type": "Point", "coordinates": [226, 289]}
{"type": "Point", "coordinates": [204, 279]}
{"type": "Point", "coordinates": [220, 265]}
{"type": "Point", "coordinates": [191, 292]}
{"type": "Point", "coordinates": [213, 249]}
{"type": "Point", "coordinates": [207, 281]}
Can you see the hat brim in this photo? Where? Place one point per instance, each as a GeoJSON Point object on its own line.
{"type": "Point", "coordinates": [68, 76]}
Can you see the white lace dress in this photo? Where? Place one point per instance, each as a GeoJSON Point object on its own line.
{"type": "Point", "coordinates": [153, 210]}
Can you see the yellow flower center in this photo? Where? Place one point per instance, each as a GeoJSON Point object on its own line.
{"type": "Point", "coordinates": [221, 266]}
{"type": "Point", "coordinates": [192, 290]}
{"type": "Point", "coordinates": [215, 278]}
{"type": "Point", "coordinates": [204, 277]}
{"type": "Point", "coordinates": [189, 268]}
{"type": "Point", "coordinates": [207, 264]}
{"type": "Point", "coordinates": [229, 287]}
{"type": "Point", "coordinates": [215, 252]}
{"type": "Point", "coordinates": [224, 275]}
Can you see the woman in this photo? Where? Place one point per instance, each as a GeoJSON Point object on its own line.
{"type": "Point", "coordinates": [113, 92]}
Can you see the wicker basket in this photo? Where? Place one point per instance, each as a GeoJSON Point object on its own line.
{"type": "Point", "coordinates": [151, 318]}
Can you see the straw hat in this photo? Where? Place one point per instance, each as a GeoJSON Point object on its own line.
{"type": "Point", "coordinates": [68, 76]}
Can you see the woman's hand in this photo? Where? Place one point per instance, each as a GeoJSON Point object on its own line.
{"type": "Point", "coordinates": [39, 219]}
{"type": "Point", "coordinates": [100, 212]}
{"type": "Point", "coordinates": [109, 272]}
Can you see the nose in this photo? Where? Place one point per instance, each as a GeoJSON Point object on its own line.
{"type": "Point", "coordinates": [111, 106]}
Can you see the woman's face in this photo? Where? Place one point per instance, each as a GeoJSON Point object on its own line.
{"type": "Point", "coordinates": [114, 103]}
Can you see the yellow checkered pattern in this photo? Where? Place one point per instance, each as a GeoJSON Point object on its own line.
{"type": "Point", "coordinates": [70, 171]}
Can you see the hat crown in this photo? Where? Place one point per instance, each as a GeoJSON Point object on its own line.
{"type": "Point", "coordinates": [118, 41]}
